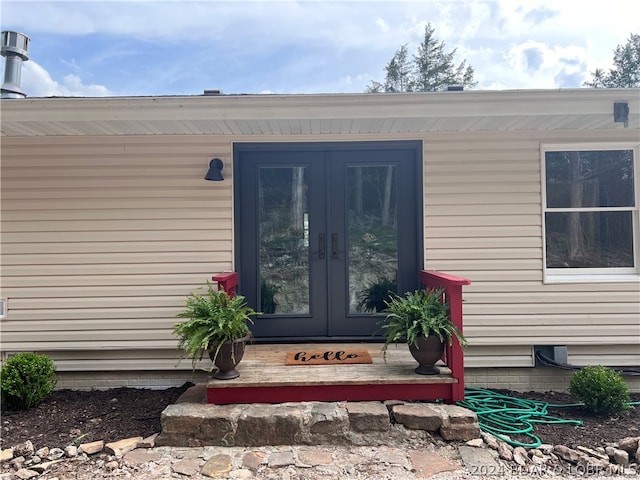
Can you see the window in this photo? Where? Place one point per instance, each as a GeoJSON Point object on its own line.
{"type": "Point", "coordinates": [590, 210]}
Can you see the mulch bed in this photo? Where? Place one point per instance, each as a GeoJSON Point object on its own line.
{"type": "Point", "coordinates": [69, 416]}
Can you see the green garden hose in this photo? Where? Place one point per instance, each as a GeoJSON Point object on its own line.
{"type": "Point", "coordinates": [504, 416]}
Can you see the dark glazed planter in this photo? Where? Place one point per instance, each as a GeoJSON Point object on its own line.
{"type": "Point", "coordinates": [427, 353]}
{"type": "Point", "coordinates": [226, 362]}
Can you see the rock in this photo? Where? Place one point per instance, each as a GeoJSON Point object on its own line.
{"type": "Point", "coordinates": [418, 417]}
{"type": "Point", "coordinates": [459, 415]}
{"type": "Point", "coordinates": [368, 416]}
{"type": "Point", "coordinates": [17, 462]}
{"type": "Point", "coordinates": [458, 423]}
{"type": "Point", "coordinates": [24, 474]}
{"type": "Point", "coordinates": [71, 451]}
{"type": "Point", "coordinates": [427, 464]}
{"type": "Point", "coordinates": [241, 474]}
{"type": "Point", "coordinates": [43, 467]}
{"type": "Point", "coordinates": [629, 444]}
{"type": "Point", "coordinates": [139, 456]}
{"type": "Point", "coordinates": [567, 453]}
{"type": "Point", "coordinates": [476, 442]}
{"type": "Point", "coordinates": [277, 424]}
{"type": "Point", "coordinates": [505, 451]}
{"type": "Point", "coordinates": [315, 457]}
{"type": "Point", "coordinates": [192, 425]}
{"type": "Point", "coordinates": [490, 440]}
{"type": "Point", "coordinates": [55, 454]}
{"type": "Point", "coordinates": [393, 456]}
{"type": "Point", "coordinates": [121, 447]}
{"type": "Point", "coordinates": [520, 456]}
{"type": "Point", "coordinates": [24, 449]}
{"type": "Point", "coordinates": [593, 453]}
{"type": "Point", "coordinates": [6, 455]}
{"type": "Point", "coordinates": [253, 460]}
{"type": "Point", "coordinates": [195, 394]}
{"type": "Point", "coordinates": [92, 447]}
{"type": "Point", "coordinates": [460, 432]}
{"type": "Point", "coordinates": [33, 460]}
{"type": "Point", "coordinates": [545, 448]}
{"type": "Point", "coordinates": [112, 465]}
{"type": "Point", "coordinates": [188, 467]}
{"type": "Point", "coordinates": [216, 466]}
{"type": "Point", "coordinates": [620, 457]}
{"type": "Point", "coordinates": [609, 450]}
{"type": "Point", "coordinates": [148, 442]}
{"type": "Point", "coordinates": [637, 455]}
{"type": "Point", "coordinates": [536, 460]}
{"type": "Point", "coordinates": [327, 422]}
{"type": "Point", "coordinates": [281, 459]}
{"type": "Point", "coordinates": [42, 452]}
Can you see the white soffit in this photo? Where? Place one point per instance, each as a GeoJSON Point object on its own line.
{"type": "Point", "coordinates": [577, 109]}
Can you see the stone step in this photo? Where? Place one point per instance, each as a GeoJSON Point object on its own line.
{"type": "Point", "coordinates": [309, 423]}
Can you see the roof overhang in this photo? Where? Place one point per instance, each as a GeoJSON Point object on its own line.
{"type": "Point", "coordinates": [575, 109]}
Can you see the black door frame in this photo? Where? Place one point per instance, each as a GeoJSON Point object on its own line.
{"type": "Point", "coordinates": [243, 241]}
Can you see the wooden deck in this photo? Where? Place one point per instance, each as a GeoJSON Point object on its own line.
{"type": "Point", "coordinates": [264, 378]}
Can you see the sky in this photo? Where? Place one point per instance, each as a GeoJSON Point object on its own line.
{"type": "Point", "coordinates": [124, 47]}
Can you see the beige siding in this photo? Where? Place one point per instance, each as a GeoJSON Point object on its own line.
{"type": "Point", "coordinates": [102, 238]}
{"type": "Point", "coordinates": [483, 220]}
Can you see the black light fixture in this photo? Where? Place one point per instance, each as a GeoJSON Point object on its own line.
{"type": "Point", "coordinates": [215, 170]}
{"type": "Point", "coordinates": [621, 112]}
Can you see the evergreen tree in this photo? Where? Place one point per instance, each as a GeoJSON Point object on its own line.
{"type": "Point", "coordinates": [626, 67]}
{"type": "Point", "coordinates": [430, 69]}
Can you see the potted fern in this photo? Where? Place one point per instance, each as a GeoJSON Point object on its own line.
{"type": "Point", "coordinates": [422, 320]}
{"type": "Point", "coordinates": [216, 324]}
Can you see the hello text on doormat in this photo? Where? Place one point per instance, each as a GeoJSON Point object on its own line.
{"type": "Point", "coordinates": [327, 357]}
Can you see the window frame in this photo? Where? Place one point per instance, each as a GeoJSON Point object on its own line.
{"type": "Point", "coordinates": [612, 274]}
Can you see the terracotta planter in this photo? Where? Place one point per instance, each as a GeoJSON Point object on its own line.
{"type": "Point", "coordinates": [428, 351]}
{"type": "Point", "coordinates": [228, 358]}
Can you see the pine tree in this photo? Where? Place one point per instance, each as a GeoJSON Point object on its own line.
{"type": "Point", "coordinates": [626, 67]}
{"type": "Point", "coordinates": [430, 69]}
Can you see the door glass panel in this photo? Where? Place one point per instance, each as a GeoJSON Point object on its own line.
{"type": "Point", "coordinates": [284, 240]}
{"type": "Point", "coordinates": [372, 236]}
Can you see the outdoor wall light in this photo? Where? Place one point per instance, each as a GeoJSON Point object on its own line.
{"type": "Point", "coordinates": [215, 170]}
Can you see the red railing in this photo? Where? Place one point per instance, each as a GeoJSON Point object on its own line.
{"type": "Point", "coordinates": [454, 357]}
{"type": "Point", "coordinates": [429, 279]}
{"type": "Point", "coordinates": [227, 282]}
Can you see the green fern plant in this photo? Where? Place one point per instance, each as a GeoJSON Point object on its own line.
{"type": "Point", "coordinates": [213, 319]}
{"type": "Point", "coordinates": [416, 314]}
{"type": "Point", "coordinates": [374, 297]}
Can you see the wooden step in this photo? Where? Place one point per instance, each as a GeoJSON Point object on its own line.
{"type": "Point", "coordinates": [264, 377]}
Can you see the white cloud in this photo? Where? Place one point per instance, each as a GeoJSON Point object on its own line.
{"type": "Point", "coordinates": [307, 46]}
{"type": "Point", "coordinates": [36, 82]}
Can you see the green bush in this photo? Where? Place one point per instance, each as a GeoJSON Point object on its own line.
{"type": "Point", "coordinates": [26, 380]}
{"type": "Point", "coordinates": [601, 389]}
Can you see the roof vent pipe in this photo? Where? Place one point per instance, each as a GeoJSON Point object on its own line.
{"type": "Point", "coordinates": [15, 48]}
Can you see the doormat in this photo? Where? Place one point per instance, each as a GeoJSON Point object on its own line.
{"type": "Point", "coordinates": [327, 357]}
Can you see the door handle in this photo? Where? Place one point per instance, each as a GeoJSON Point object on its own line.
{"type": "Point", "coordinates": [321, 246]}
{"type": "Point", "coordinates": [334, 245]}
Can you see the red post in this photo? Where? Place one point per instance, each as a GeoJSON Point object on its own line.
{"type": "Point", "coordinates": [430, 279]}
{"type": "Point", "coordinates": [227, 282]}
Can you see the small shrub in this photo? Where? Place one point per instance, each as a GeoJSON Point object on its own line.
{"type": "Point", "coordinates": [601, 389]}
{"type": "Point", "coordinates": [26, 380]}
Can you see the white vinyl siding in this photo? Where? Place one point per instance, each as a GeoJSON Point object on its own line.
{"type": "Point", "coordinates": [483, 221]}
{"type": "Point", "coordinates": [103, 235]}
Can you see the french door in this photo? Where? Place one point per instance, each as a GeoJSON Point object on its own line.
{"type": "Point", "coordinates": [320, 228]}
